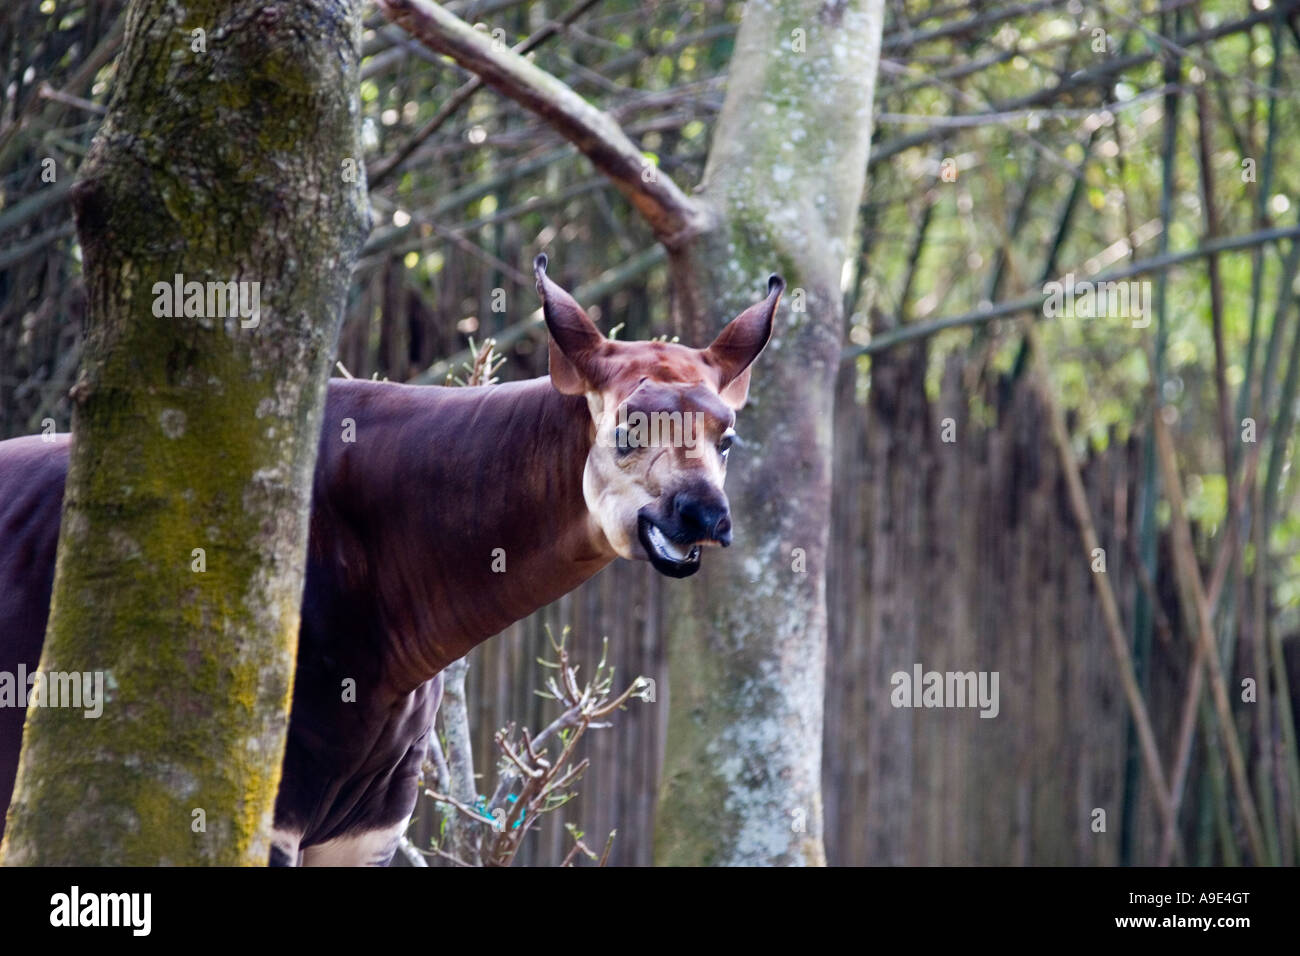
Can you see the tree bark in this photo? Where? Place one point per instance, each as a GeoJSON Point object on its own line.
{"type": "Point", "coordinates": [741, 781]}
{"type": "Point", "coordinates": [237, 158]}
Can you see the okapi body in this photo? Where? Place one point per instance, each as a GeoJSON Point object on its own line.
{"type": "Point", "coordinates": [439, 517]}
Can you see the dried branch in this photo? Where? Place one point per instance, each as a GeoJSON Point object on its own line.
{"type": "Point", "coordinates": [544, 782]}
{"type": "Point", "coordinates": [464, 808]}
{"type": "Point", "coordinates": [674, 217]}
{"type": "Point", "coordinates": [382, 170]}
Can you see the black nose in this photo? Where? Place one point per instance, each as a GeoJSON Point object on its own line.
{"type": "Point", "coordinates": [703, 516]}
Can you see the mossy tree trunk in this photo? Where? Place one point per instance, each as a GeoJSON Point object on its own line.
{"type": "Point", "coordinates": [227, 155]}
{"type": "Point", "coordinates": [741, 782]}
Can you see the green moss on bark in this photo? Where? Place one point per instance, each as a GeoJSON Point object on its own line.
{"type": "Point", "coordinates": [195, 432]}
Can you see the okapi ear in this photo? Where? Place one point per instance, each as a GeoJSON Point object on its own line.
{"type": "Point", "coordinates": [575, 340]}
{"type": "Point", "coordinates": [736, 347]}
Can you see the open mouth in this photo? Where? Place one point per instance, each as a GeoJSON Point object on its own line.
{"type": "Point", "coordinates": [667, 556]}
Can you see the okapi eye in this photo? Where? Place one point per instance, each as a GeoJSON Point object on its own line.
{"type": "Point", "coordinates": [724, 443]}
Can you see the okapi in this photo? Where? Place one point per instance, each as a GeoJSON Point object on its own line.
{"type": "Point", "coordinates": [409, 523]}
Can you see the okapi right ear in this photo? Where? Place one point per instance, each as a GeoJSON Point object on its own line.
{"type": "Point", "coordinates": [737, 345]}
{"type": "Point", "coordinates": [575, 341]}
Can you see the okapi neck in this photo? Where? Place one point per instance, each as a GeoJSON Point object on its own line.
{"type": "Point", "coordinates": [454, 513]}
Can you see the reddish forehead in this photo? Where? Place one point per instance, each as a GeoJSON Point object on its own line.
{"type": "Point", "coordinates": [665, 377]}
{"type": "Point", "coordinates": [652, 396]}
{"type": "Point", "coordinates": [661, 361]}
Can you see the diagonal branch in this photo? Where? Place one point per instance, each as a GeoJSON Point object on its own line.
{"type": "Point", "coordinates": [458, 99]}
{"type": "Point", "coordinates": [674, 216]}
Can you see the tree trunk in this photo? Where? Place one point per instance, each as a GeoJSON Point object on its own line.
{"type": "Point", "coordinates": [742, 772]}
{"type": "Point", "coordinates": [231, 155]}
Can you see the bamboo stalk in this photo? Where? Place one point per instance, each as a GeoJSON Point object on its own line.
{"type": "Point", "coordinates": [1150, 492]}
{"type": "Point", "coordinates": [1109, 606]}
{"type": "Point", "coordinates": [1211, 214]}
{"type": "Point", "coordinates": [1245, 398]}
{"type": "Point", "coordinates": [1189, 579]}
{"type": "Point", "coordinates": [1216, 791]}
{"type": "Point", "coordinates": [1280, 436]}
{"type": "Point", "coordinates": [1193, 699]}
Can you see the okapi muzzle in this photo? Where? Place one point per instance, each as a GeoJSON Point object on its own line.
{"type": "Point", "coordinates": [695, 516]}
{"type": "Point", "coordinates": [664, 421]}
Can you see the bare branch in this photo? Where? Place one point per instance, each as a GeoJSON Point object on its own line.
{"type": "Point", "coordinates": [674, 217]}
{"type": "Point", "coordinates": [458, 99]}
{"type": "Point", "coordinates": [453, 802]}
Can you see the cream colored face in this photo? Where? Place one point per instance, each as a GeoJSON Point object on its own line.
{"type": "Point", "coordinates": [654, 475]}
{"type": "Point", "coordinates": [664, 417]}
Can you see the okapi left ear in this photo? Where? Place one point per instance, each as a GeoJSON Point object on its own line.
{"type": "Point", "coordinates": [736, 347]}
{"type": "Point", "coordinates": [575, 341]}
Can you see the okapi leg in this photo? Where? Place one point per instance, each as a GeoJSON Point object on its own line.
{"type": "Point", "coordinates": [284, 848]}
{"type": "Point", "coordinates": [373, 848]}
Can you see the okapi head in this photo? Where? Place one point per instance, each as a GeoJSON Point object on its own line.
{"type": "Point", "coordinates": [664, 417]}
